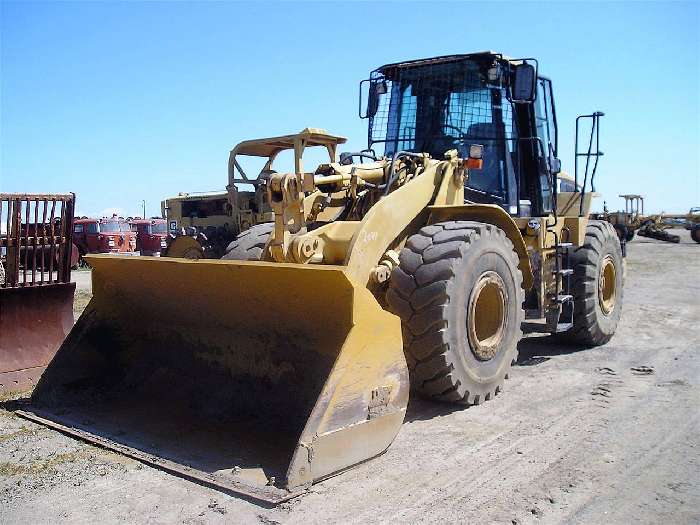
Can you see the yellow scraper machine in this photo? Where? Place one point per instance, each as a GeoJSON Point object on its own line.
{"type": "Point", "coordinates": [291, 358]}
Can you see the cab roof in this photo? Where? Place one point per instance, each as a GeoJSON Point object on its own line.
{"type": "Point", "coordinates": [152, 220]}
{"type": "Point", "coordinates": [203, 195]}
{"type": "Point", "coordinates": [102, 219]}
{"type": "Point", "coordinates": [445, 59]}
{"type": "Point", "coordinates": [272, 145]}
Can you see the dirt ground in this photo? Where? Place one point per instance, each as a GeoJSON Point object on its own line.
{"type": "Point", "coordinates": [83, 290]}
{"type": "Point", "coordinates": [605, 435]}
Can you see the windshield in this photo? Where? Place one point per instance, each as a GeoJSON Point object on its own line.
{"type": "Point", "coordinates": [159, 227]}
{"type": "Point", "coordinates": [203, 208]}
{"type": "Point", "coordinates": [450, 105]}
{"type": "Point", "coordinates": [114, 227]}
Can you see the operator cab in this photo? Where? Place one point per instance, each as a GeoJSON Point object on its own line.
{"type": "Point", "coordinates": [454, 102]}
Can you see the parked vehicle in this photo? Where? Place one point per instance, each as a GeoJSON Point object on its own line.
{"type": "Point", "coordinates": [151, 235]}
{"type": "Point", "coordinates": [202, 225]}
{"type": "Point", "coordinates": [106, 235]}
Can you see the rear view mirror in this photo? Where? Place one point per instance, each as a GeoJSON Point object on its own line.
{"type": "Point", "coordinates": [364, 97]}
{"type": "Point", "coordinates": [554, 165]}
{"type": "Point", "coordinates": [370, 91]}
{"type": "Point", "coordinates": [524, 86]}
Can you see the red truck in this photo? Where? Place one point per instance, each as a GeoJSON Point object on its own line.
{"type": "Point", "coordinates": [151, 235]}
{"type": "Point", "coordinates": [106, 235]}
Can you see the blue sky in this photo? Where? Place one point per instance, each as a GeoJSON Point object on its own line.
{"type": "Point", "coordinates": [121, 102]}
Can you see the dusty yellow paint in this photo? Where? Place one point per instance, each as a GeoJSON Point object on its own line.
{"type": "Point", "coordinates": [491, 214]}
{"type": "Point", "coordinates": [232, 315]}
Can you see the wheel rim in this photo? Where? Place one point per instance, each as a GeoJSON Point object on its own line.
{"type": "Point", "coordinates": [607, 291]}
{"type": "Point", "coordinates": [487, 316]}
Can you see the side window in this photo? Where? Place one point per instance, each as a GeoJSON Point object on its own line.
{"type": "Point", "coordinates": [202, 209]}
{"type": "Point", "coordinates": [78, 228]}
{"type": "Point", "coordinates": [544, 114]}
{"type": "Point", "coordinates": [92, 227]}
{"type": "Point", "coordinates": [566, 185]}
{"type": "Point", "coordinates": [404, 131]}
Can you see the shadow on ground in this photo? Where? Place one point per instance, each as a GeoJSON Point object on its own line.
{"type": "Point", "coordinates": [420, 409]}
{"type": "Point", "coordinates": [532, 351]}
{"type": "Point", "coordinates": [14, 404]}
{"type": "Point", "coordinates": [536, 350]}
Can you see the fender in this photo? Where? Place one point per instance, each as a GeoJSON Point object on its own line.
{"type": "Point", "coordinates": [490, 214]}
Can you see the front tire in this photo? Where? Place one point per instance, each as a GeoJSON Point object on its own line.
{"type": "Point", "coordinates": [458, 291]}
{"type": "Point", "coordinates": [249, 244]}
{"type": "Point", "coordinates": [597, 286]}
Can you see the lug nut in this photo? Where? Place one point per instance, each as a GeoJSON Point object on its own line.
{"type": "Point", "coordinates": [381, 274]}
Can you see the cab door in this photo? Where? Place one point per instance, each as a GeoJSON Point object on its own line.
{"type": "Point", "coordinates": [546, 131]}
{"type": "Point", "coordinates": [92, 237]}
{"type": "Point", "coordinates": [141, 235]}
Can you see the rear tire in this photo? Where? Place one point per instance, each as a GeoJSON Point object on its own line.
{"type": "Point", "coordinates": [695, 234]}
{"type": "Point", "coordinates": [621, 232]}
{"type": "Point", "coordinates": [249, 245]}
{"type": "Point", "coordinates": [624, 233]}
{"type": "Point", "coordinates": [597, 286]}
{"type": "Point", "coordinates": [450, 275]}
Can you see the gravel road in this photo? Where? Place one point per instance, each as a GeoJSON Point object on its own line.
{"type": "Point", "coordinates": [609, 435]}
{"type": "Point", "coordinates": [82, 280]}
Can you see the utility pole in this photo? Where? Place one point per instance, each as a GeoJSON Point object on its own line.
{"type": "Point", "coordinates": [143, 202]}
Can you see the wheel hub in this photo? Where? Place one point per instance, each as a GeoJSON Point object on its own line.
{"type": "Point", "coordinates": [607, 292]}
{"type": "Point", "coordinates": [487, 315]}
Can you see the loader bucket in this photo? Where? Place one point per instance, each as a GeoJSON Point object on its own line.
{"type": "Point", "coordinates": [255, 378]}
{"type": "Point", "coordinates": [34, 321]}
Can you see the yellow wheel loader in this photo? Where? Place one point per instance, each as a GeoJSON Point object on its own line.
{"type": "Point", "coordinates": [413, 265]}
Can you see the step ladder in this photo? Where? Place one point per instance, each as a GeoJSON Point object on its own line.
{"type": "Point", "coordinates": [563, 292]}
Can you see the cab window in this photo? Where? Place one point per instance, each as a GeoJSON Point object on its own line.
{"type": "Point", "coordinates": [159, 227]}
{"type": "Point", "coordinates": [544, 115]}
{"type": "Point", "coordinates": [78, 228]}
{"type": "Point", "coordinates": [92, 227]}
{"type": "Point", "coordinates": [201, 209]}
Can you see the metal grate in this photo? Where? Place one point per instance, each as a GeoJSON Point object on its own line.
{"type": "Point", "coordinates": [439, 106]}
{"type": "Point", "coordinates": [36, 233]}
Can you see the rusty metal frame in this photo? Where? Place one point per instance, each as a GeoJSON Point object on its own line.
{"type": "Point", "coordinates": [30, 238]}
{"type": "Point", "coordinates": [36, 293]}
